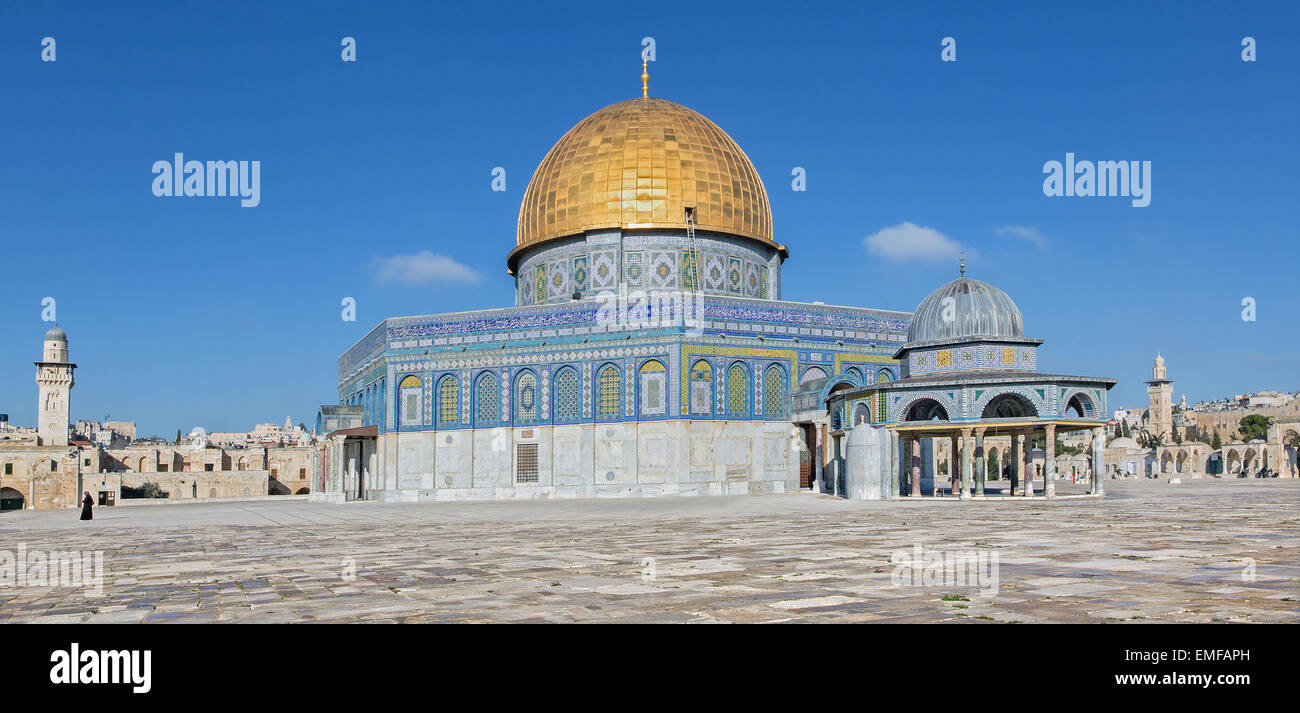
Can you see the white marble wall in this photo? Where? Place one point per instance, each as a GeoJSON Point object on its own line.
{"type": "Point", "coordinates": [643, 459]}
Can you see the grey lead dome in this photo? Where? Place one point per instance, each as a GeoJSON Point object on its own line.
{"type": "Point", "coordinates": [56, 335]}
{"type": "Point", "coordinates": [978, 310]}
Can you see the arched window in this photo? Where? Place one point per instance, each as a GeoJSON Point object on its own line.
{"type": "Point", "coordinates": [654, 389]}
{"type": "Point", "coordinates": [526, 397]}
{"type": "Point", "coordinates": [487, 410]}
{"type": "Point", "coordinates": [861, 415]}
{"type": "Point", "coordinates": [882, 377]}
{"type": "Point", "coordinates": [854, 373]}
{"type": "Point", "coordinates": [701, 389]}
{"type": "Point", "coordinates": [610, 396]}
{"type": "Point", "coordinates": [737, 390]}
{"type": "Point", "coordinates": [774, 391]}
{"type": "Point", "coordinates": [812, 372]}
{"type": "Point", "coordinates": [448, 400]}
{"type": "Point", "coordinates": [410, 392]}
{"type": "Point", "coordinates": [566, 395]}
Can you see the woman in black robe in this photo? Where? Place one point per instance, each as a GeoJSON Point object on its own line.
{"type": "Point", "coordinates": [86, 503]}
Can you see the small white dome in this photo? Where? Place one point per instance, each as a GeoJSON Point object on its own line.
{"type": "Point", "coordinates": [978, 310]}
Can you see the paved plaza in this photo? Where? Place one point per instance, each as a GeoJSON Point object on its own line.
{"type": "Point", "coordinates": [1149, 552]}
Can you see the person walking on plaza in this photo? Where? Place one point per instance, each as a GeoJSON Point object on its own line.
{"type": "Point", "coordinates": [86, 504]}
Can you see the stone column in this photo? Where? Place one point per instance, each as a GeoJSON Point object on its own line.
{"type": "Point", "coordinates": [837, 458]}
{"type": "Point", "coordinates": [1098, 464]}
{"type": "Point", "coordinates": [1027, 488]}
{"type": "Point", "coordinates": [981, 463]}
{"type": "Point", "coordinates": [1049, 461]}
{"type": "Point", "coordinates": [914, 464]}
{"type": "Point", "coordinates": [896, 471]}
{"type": "Point", "coordinates": [904, 471]}
{"type": "Point", "coordinates": [954, 470]}
{"type": "Point", "coordinates": [966, 454]}
{"type": "Point", "coordinates": [930, 462]}
{"type": "Point", "coordinates": [815, 454]}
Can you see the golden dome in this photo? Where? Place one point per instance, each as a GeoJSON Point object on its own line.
{"type": "Point", "coordinates": [639, 164]}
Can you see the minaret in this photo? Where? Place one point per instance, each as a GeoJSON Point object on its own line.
{"type": "Point", "coordinates": [1160, 395]}
{"type": "Point", "coordinates": [54, 387]}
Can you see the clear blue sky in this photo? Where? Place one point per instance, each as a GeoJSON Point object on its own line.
{"type": "Point", "coordinates": [186, 312]}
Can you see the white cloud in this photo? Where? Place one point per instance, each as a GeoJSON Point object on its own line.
{"type": "Point", "coordinates": [1033, 235]}
{"type": "Point", "coordinates": [908, 241]}
{"type": "Point", "coordinates": [422, 268]}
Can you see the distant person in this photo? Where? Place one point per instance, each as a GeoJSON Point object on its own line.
{"type": "Point", "coordinates": [86, 504]}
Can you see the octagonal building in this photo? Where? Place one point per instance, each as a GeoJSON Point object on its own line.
{"type": "Point", "coordinates": [648, 351]}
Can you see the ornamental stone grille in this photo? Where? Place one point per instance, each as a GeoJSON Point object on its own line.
{"type": "Point", "coordinates": [526, 458]}
{"type": "Point", "coordinates": [489, 400]}
{"type": "Point", "coordinates": [610, 388]}
{"type": "Point", "coordinates": [448, 400]}
{"type": "Point", "coordinates": [566, 394]}
{"type": "Point", "coordinates": [736, 396]}
{"type": "Point", "coordinates": [773, 391]}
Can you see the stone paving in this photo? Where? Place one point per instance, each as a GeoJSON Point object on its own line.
{"type": "Point", "coordinates": [1149, 552]}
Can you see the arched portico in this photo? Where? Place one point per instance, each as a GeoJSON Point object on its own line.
{"type": "Point", "coordinates": [1009, 405]}
{"type": "Point", "coordinates": [1081, 405]}
{"type": "Point", "coordinates": [925, 409]}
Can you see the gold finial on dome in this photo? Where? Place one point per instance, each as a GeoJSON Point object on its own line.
{"type": "Point", "coordinates": [645, 80]}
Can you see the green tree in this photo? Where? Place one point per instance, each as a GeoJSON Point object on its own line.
{"type": "Point", "coordinates": [178, 437]}
{"type": "Point", "coordinates": [152, 490]}
{"type": "Point", "coordinates": [1216, 443]}
{"type": "Point", "coordinates": [1253, 426]}
{"type": "Point", "coordinates": [995, 470]}
{"type": "Point", "coordinates": [1149, 440]}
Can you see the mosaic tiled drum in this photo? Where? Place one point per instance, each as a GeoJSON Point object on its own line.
{"type": "Point", "coordinates": [606, 210]}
